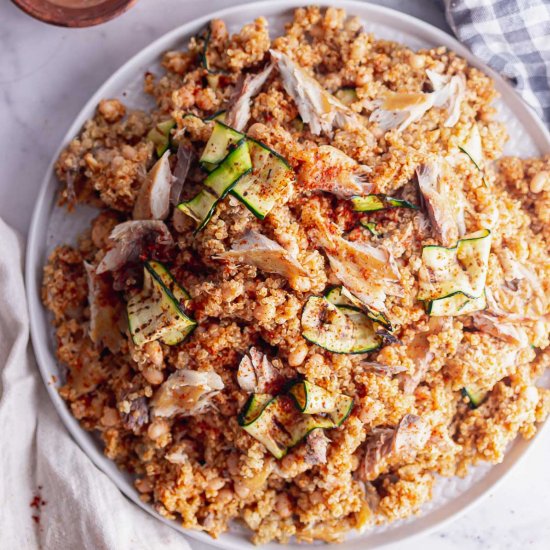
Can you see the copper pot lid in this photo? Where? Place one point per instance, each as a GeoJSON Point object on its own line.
{"type": "Point", "coordinates": [74, 13]}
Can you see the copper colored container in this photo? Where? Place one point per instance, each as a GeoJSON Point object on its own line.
{"type": "Point", "coordinates": [74, 13]}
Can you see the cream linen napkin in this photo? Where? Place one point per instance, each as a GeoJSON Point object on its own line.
{"type": "Point", "coordinates": [40, 462]}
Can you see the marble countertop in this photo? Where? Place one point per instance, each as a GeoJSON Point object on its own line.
{"type": "Point", "coordinates": [46, 76]}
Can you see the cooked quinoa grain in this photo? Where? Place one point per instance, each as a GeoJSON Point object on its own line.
{"type": "Point", "coordinates": [440, 384]}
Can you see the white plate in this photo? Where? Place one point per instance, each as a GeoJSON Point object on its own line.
{"type": "Point", "coordinates": [51, 226]}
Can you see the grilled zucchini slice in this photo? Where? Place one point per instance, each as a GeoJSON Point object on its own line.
{"type": "Point", "coordinates": [218, 183]}
{"type": "Point", "coordinates": [160, 135]}
{"type": "Point", "coordinates": [219, 145]}
{"type": "Point", "coordinates": [341, 296]}
{"type": "Point", "coordinates": [377, 202]}
{"type": "Point", "coordinates": [277, 423]}
{"type": "Point", "coordinates": [157, 313]}
{"type": "Point", "coordinates": [340, 329]}
{"type": "Point", "coordinates": [312, 399]}
{"type": "Point", "coordinates": [456, 304]}
{"type": "Point", "coordinates": [201, 207]}
{"type": "Point", "coordinates": [475, 397]}
{"type": "Point", "coordinates": [268, 181]}
{"type": "Point", "coordinates": [370, 226]}
{"type": "Point", "coordinates": [235, 165]}
{"type": "Point", "coordinates": [452, 280]}
{"type": "Point", "coordinates": [220, 115]}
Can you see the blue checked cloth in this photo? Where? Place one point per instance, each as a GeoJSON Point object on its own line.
{"type": "Point", "coordinates": [512, 37]}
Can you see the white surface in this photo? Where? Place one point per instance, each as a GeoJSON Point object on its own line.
{"type": "Point", "coordinates": [38, 458]}
{"type": "Point", "coordinates": [122, 35]}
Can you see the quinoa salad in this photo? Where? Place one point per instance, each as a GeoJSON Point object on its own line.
{"type": "Point", "coordinates": [314, 284]}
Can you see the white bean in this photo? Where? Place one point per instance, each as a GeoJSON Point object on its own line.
{"type": "Point", "coordinates": [153, 375]}
{"type": "Point", "coordinates": [158, 428]}
{"type": "Point", "coordinates": [417, 61]}
{"type": "Point", "coordinates": [153, 351]}
{"type": "Point", "coordinates": [297, 356]}
{"type": "Point", "coordinates": [540, 182]}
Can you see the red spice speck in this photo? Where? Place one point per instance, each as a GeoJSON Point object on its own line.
{"type": "Point", "coordinates": [37, 502]}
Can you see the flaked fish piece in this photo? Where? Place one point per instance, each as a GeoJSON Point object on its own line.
{"type": "Point", "coordinates": [153, 199]}
{"type": "Point", "coordinates": [186, 393]}
{"type": "Point", "coordinates": [256, 373]}
{"type": "Point", "coordinates": [492, 304]}
{"type": "Point", "coordinates": [400, 109]}
{"type": "Point", "coordinates": [420, 353]}
{"type": "Point", "coordinates": [239, 112]}
{"type": "Point", "coordinates": [449, 92]}
{"type": "Point", "coordinates": [473, 146]}
{"type": "Point", "coordinates": [135, 414]}
{"type": "Point", "coordinates": [519, 295]}
{"type": "Point", "coordinates": [316, 448]}
{"type": "Point", "coordinates": [318, 108]}
{"type": "Point", "coordinates": [184, 159]}
{"type": "Point", "coordinates": [105, 314]}
{"type": "Point", "coordinates": [329, 169]}
{"type": "Point", "coordinates": [422, 356]}
{"type": "Point", "coordinates": [377, 448]}
{"type": "Point", "coordinates": [354, 277]}
{"type": "Point", "coordinates": [508, 332]}
{"type": "Point", "coordinates": [368, 272]}
{"type": "Point", "coordinates": [444, 206]}
{"type": "Point", "coordinates": [410, 436]}
{"type": "Point", "coordinates": [130, 240]}
{"type": "Point", "coordinates": [514, 269]}
{"type": "Point", "coordinates": [256, 249]}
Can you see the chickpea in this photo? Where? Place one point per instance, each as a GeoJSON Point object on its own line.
{"type": "Point", "coordinates": [128, 152]}
{"type": "Point", "coordinates": [417, 61]}
{"type": "Point", "coordinates": [297, 356]}
{"type": "Point", "coordinates": [359, 49]}
{"type": "Point", "coordinates": [154, 376]}
{"type": "Point", "coordinates": [112, 110]}
{"type": "Point", "coordinates": [233, 464]}
{"type": "Point", "coordinates": [153, 351]}
{"type": "Point", "coordinates": [283, 506]}
{"type": "Point", "coordinates": [91, 162]}
{"type": "Point", "coordinates": [158, 428]}
{"type": "Point", "coordinates": [225, 496]}
{"type": "Point", "coordinates": [101, 229]}
{"type": "Point", "coordinates": [110, 417]}
{"type": "Point", "coordinates": [301, 284]}
{"type": "Point", "coordinates": [215, 484]}
{"type": "Point", "coordinates": [316, 361]}
{"type": "Point", "coordinates": [241, 489]}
